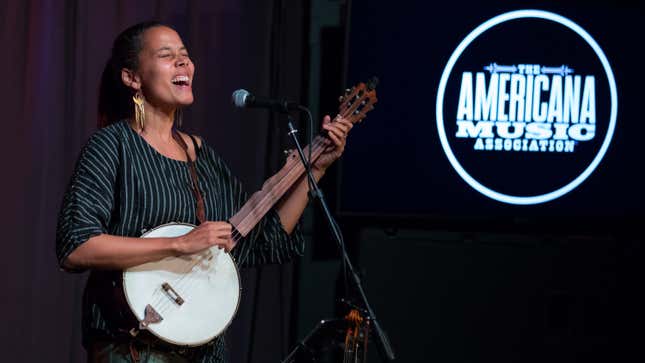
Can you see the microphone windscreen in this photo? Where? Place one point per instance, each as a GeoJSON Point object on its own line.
{"type": "Point", "coordinates": [239, 97]}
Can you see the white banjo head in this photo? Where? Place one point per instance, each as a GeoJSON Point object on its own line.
{"type": "Point", "coordinates": [196, 295]}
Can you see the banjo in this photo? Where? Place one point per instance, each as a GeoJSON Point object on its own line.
{"type": "Point", "coordinates": [189, 300]}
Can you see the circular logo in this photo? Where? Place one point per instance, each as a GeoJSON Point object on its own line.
{"type": "Point", "coordinates": [526, 107]}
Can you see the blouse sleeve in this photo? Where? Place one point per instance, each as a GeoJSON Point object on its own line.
{"type": "Point", "coordinates": [267, 242]}
{"type": "Point", "coordinates": [89, 199]}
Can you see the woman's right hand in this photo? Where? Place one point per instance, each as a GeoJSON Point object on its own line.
{"type": "Point", "coordinates": [204, 236]}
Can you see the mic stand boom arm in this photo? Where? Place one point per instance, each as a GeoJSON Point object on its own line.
{"type": "Point", "coordinates": [316, 193]}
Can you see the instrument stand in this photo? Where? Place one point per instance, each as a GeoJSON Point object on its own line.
{"type": "Point", "coordinates": [383, 342]}
{"type": "Point", "coordinates": [305, 346]}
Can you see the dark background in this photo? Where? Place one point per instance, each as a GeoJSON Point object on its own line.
{"type": "Point", "coordinates": [453, 275]}
{"type": "Point", "coordinates": [455, 278]}
{"type": "Point", "coordinates": [409, 46]}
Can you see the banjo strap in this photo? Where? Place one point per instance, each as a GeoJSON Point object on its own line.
{"type": "Point", "coordinates": [201, 214]}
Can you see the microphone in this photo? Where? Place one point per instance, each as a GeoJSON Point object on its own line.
{"type": "Point", "coordinates": [244, 99]}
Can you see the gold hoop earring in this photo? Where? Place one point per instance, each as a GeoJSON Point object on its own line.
{"type": "Point", "coordinates": [139, 111]}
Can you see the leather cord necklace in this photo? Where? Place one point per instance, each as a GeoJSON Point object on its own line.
{"type": "Point", "coordinates": [201, 214]}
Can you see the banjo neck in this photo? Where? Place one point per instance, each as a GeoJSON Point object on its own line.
{"type": "Point", "coordinates": [275, 187]}
{"type": "Point", "coordinates": [354, 105]}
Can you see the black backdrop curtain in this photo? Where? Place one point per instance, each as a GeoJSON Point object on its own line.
{"type": "Point", "coordinates": [53, 54]}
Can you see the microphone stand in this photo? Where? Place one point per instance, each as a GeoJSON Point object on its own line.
{"type": "Point", "coordinates": [316, 193]}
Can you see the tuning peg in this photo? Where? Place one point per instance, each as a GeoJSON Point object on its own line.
{"type": "Point", "coordinates": [341, 98]}
{"type": "Point", "coordinates": [288, 153]}
{"type": "Point", "coordinates": [372, 83]}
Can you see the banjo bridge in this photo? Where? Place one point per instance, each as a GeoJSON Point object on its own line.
{"type": "Point", "coordinates": [172, 294]}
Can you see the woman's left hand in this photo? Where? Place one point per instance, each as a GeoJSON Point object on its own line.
{"type": "Point", "coordinates": [337, 132]}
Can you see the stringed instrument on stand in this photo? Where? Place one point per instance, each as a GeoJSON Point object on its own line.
{"type": "Point", "coordinates": [189, 300]}
{"type": "Point", "coordinates": [356, 338]}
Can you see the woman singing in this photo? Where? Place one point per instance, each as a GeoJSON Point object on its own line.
{"type": "Point", "coordinates": [134, 174]}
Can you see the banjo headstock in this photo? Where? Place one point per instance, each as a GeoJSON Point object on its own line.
{"type": "Point", "coordinates": [358, 101]}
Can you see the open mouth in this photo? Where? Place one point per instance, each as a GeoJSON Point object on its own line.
{"type": "Point", "coordinates": [182, 81]}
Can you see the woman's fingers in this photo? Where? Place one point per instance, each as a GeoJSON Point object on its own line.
{"type": "Point", "coordinates": [344, 124]}
{"type": "Point", "coordinates": [340, 123]}
{"type": "Point", "coordinates": [221, 234]}
{"type": "Point", "coordinates": [339, 141]}
{"type": "Point", "coordinates": [206, 235]}
{"type": "Point", "coordinates": [336, 133]}
{"type": "Point", "coordinates": [340, 129]}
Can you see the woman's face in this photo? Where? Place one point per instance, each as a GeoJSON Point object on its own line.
{"type": "Point", "coordinates": [165, 70]}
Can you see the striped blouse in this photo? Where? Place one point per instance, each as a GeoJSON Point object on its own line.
{"type": "Point", "coordinates": [122, 186]}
